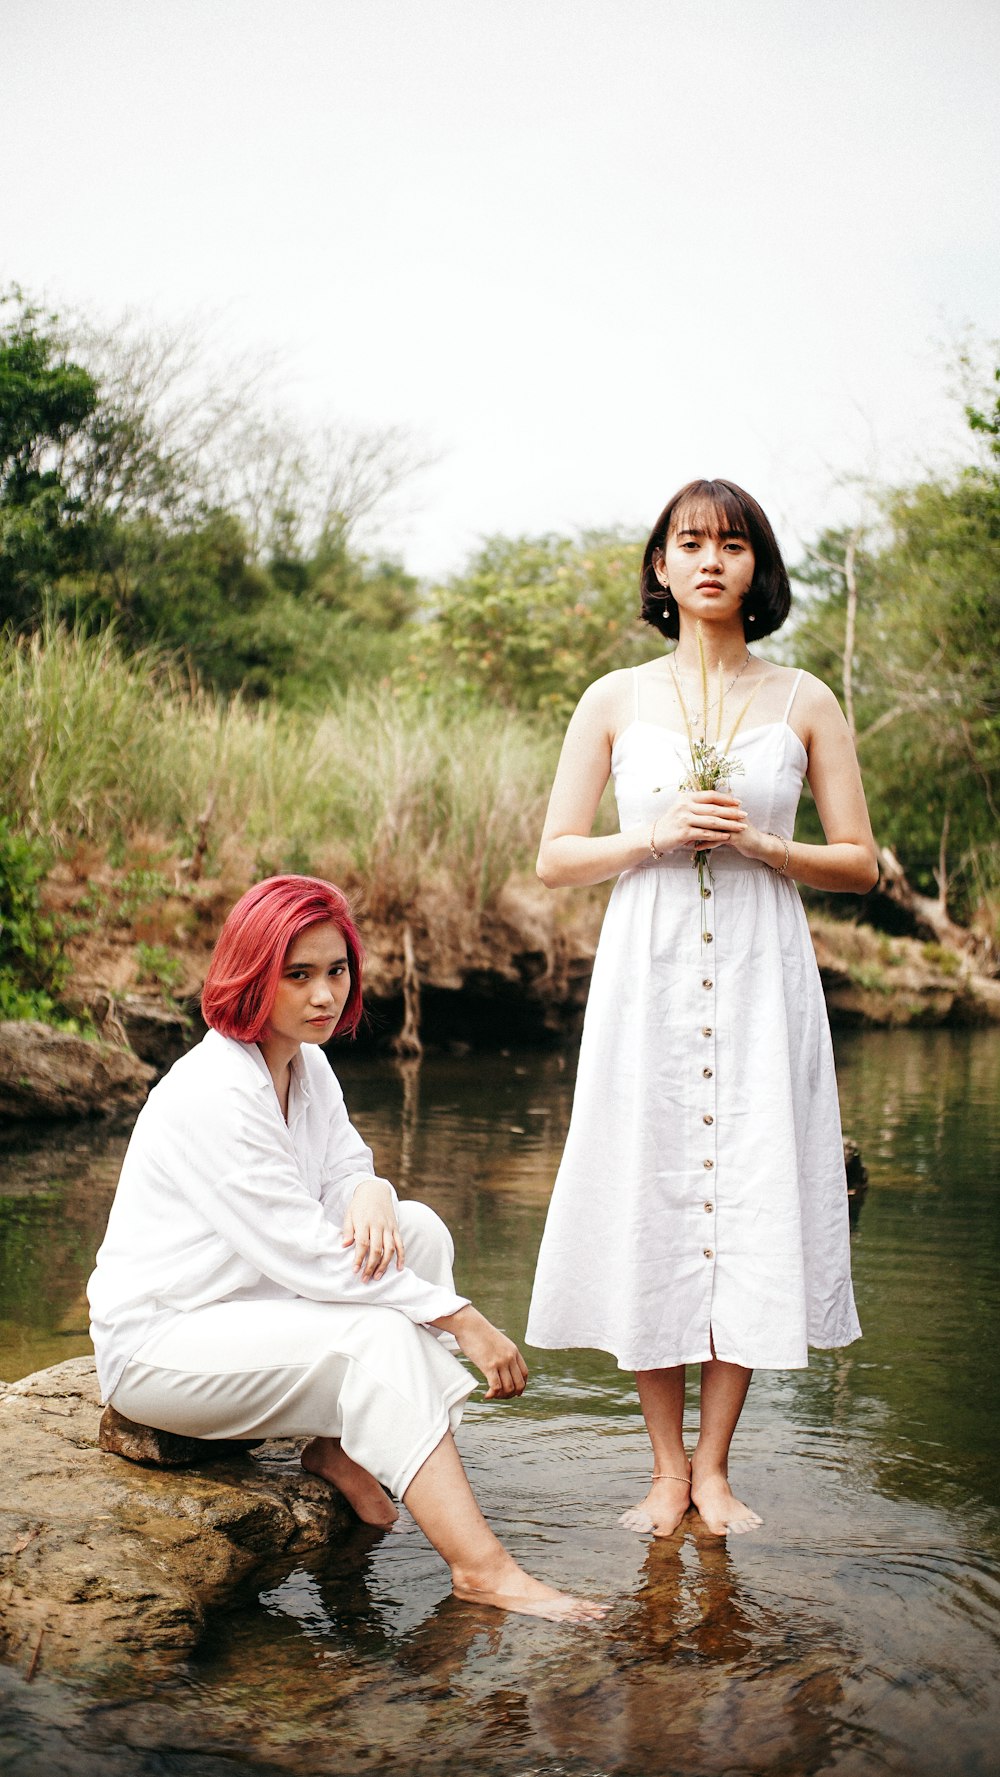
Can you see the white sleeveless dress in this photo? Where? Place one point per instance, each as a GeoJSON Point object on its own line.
{"type": "Point", "coordinates": [701, 1198]}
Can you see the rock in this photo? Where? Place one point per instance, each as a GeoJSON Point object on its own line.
{"type": "Point", "coordinates": [157, 1034]}
{"type": "Point", "coordinates": [51, 1073]}
{"type": "Point", "coordinates": [854, 1166]}
{"type": "Point", "coordinates": [105, 1565]}
{"type": "Point", "coordinates": [119, 1436]}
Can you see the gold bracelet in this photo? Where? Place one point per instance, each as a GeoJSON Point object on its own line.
{"type": "Point", "coordinates": [652, 840]}
{"type": "Point", "coordinates": [783, 866]}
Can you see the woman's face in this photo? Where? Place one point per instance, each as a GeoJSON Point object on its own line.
{"type": "Point", "coordinates": [315, 982]}
{"type": "Point", "coordinates": [708, 572]}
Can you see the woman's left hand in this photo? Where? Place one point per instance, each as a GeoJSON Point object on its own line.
{"type": "Point", "coordinates": [750, 842]}
{"type": "Point", "coordinates": [372, 1229]}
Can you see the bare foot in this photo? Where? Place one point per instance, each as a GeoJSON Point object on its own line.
{"type": "Point", "coordinates": [508, 1587]}
{"type": "Point", "coordinates": [719, 1507]}
{"type": "Point", "coordinates": [325, 1457]}
{"type": "Point", "coordinates": [663, 1510]}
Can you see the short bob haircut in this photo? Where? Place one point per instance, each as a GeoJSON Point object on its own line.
{"type": "Point", "coordinates": [727, 511]}
{"type": "Point", "coordinates": [245, 970]}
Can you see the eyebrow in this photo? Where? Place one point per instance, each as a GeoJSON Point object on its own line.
{"type": "Point", "coordinates": [701, 531]}
{"type": "Point", "coordinates": [309, 962]}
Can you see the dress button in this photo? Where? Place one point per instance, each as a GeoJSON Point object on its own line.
{"type": "Point", "coordinates": [709, 1254]}
{"type": "Point", "coordinates": [708, 1165]}
{"type": "Point", "coordinates": [706, 1030]}
{"type": "Point", "coordinates": [706, 894]}
{"type": "Point", "coordinates": [706, 1073]}
{"type": "Point", "coordinates": [707, 1118]}
{"type": "Point", "coordinates": [706, 937]}
{"type": "Point", "coordinates": [709, 1208]}
{"type": "Point", "coordinates": [707, 983]}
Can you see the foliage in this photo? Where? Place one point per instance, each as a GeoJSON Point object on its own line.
{"type": "Point", "coordinates": [44, 400]}
{"type": "Point", "coordinates": [155, 964]}
{"type": "Point", "coordinates": [533, 620]}
{"type": "Point", "coordinates": [416, 801]}
{"type": "Point", "coordinates": [926, 673]}
{"type": "Point", "coordinates": [32, 967]}
{"type": "Point", "coordinates": [140, 490]}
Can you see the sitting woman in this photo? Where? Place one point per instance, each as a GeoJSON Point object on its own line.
{"type": "Point", "coordinates": [258, 1280]}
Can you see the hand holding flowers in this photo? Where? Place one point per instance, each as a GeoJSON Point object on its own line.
{"type": "Point", "coordinates": [712, 770]}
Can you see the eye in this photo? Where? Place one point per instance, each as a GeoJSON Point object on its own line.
{"type": "Point", "coordinates": [339, 969]}
{"type": "Point", "coordinates": [297, 975]}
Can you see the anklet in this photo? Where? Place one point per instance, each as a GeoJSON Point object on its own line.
{"type": "Point", "coordinates": [685, 1478]}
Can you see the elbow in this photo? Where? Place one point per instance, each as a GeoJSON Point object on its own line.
{"type": "Point", "coordinates": [544, 870]}
{"type": "Point", "coordinates": [867, 875]}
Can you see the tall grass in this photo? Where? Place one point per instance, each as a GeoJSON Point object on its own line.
{"type": "Point", "coordinates": [389, 794]}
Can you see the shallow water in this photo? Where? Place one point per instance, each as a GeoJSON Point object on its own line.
{"type": "Point", "coordinates": [857, 1632]}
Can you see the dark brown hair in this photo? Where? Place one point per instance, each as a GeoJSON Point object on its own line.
{"type": "Point", "coordinates": [726, 510]}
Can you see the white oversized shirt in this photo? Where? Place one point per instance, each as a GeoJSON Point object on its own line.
{"type": "Point", "coordinates": [219, 1199]}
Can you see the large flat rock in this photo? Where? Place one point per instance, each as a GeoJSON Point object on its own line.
{"type": "Point", "coordinates": [106, 1565]}
{"type": "Point", "coordinates": [52, 1073]}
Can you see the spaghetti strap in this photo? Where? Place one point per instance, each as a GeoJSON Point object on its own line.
{"type": "Point", "coordinates": [635, 690]}
{"type": "Point", "coordinates": [791, 700]}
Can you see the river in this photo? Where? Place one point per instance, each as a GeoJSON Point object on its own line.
{"type": "Point", "coordinates": [857, 1632]}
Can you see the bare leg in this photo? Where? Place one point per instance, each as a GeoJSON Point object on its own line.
{"type": "Point", "coordinates": [661, 1396]}
{"type": "Point", "coordinates": [723, 1391]}
{"type": "Point", "coordinates": [482, 1572]}
{"type": "Point", "coordinates": [326, 1458]}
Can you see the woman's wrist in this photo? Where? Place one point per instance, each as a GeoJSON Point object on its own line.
{"type": "Point", "coordinates": [779, 854]}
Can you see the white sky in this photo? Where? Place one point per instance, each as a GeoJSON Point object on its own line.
{"type": "Point", "coordinates": [585, 249]}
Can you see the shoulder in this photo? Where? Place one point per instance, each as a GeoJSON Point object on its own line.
{"type": "Point", "coordinates": [216, 1070]}
{"type": "Point", "coordinates": [603, 702]}
{"type": "Point", "coordinates": [815, 699]}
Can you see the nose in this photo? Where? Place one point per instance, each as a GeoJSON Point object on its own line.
{"type": "Point", "coordinates": [322, 994]}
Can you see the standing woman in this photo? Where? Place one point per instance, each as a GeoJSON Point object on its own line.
{"type": "Point", "coordinates": [258, 1280]}
{"type": "Point", "coordinates": [700, 1211]}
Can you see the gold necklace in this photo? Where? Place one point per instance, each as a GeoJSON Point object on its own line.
{"type": "Point", "coordinates": [680, 696]}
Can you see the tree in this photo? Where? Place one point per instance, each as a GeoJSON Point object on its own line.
{"type": "Point", "coordinates": [143, 488]}
{"type": "Point", "coordinates": [45, 400]}
{"type": "Point", "coordinates": [925, 678]}
{"type": "Point", "coordinates": [533, 620]}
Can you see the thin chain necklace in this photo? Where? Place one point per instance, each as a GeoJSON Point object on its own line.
{"type": "Point", "coordinates": [733, 681]}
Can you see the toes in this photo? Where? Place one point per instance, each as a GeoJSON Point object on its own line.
{"type": "Point", "coordinates": [638, 1520]}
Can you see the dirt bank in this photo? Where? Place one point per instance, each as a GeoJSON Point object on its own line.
{"type": "Point", "coordinates": [443, 972]}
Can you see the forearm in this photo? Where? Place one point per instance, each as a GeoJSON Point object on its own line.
{"type": "Point", "coordinates": [845, 867]}
{"type": "Point", "coordinates": [569, 860]}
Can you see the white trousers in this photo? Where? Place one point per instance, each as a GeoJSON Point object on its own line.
{"type": "Point", "coordinates": [282, 1367]}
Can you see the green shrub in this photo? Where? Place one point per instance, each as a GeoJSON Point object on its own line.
{"type": "Point", "coordinates": [32, 966]}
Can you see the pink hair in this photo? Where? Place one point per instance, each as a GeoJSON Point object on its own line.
{"type": "Point", "coordinates": [250, 952]}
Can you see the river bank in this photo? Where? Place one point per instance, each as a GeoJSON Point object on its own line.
{"type": "Point", "coordinates": [516, 972]}
{"type": "Point", "coordinates": [514, 977]}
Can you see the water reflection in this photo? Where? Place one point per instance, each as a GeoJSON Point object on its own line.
{"type": "Point", "coordinates": [857, 1632]}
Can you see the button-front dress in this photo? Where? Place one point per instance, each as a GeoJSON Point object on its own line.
{"type": "Point", "coordinates": [701, 1202]}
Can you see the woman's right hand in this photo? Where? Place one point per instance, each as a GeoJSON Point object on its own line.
{"type": "Point", "coordinates": [489, 1349]}
{"type": "Point", "coordinates": [699, 820]}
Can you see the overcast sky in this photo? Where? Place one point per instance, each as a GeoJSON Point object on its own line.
{"type": "Point", "coordinates": [584, 249]}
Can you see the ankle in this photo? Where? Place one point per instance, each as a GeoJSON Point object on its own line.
{"type": "Point", "coordinates": [709, 1468]}
{"type": "Point", "coordinates": [491, 1573]}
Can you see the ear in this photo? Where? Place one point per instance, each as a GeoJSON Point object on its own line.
{"type": "Point", "coordinates": [659, 562]}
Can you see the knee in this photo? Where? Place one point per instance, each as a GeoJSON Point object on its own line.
{"type": "Point", "coordinates": [425, 1236]}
